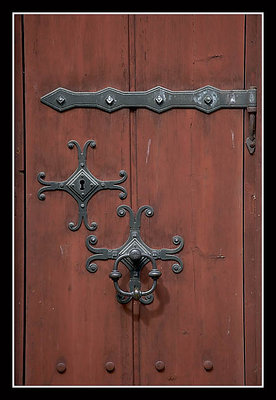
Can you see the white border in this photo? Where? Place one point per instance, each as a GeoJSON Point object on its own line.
{"type": "Point", "coordinates": [13, 171]}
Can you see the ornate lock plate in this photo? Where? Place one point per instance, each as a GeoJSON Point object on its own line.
{"type": "Point", "coordinates": [82, 185]}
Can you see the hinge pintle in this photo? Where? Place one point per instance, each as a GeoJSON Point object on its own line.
{"type": "Point", "coordinates": [251, 139]}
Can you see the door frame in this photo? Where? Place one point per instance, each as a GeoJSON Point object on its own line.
{"type": "Point", "coordinates": [252, 205]}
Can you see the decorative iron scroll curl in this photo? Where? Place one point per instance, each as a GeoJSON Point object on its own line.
{"type": "Point", "coordinates": [82, 185]}
{"type": "Point", "coordinates": [134, 254]}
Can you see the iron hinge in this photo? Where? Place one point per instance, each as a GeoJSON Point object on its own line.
{"type": "Point", "coordinates": [159, 99]}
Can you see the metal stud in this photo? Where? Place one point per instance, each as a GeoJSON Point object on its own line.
{"type": "Point", "coordinates": [60, 100]}
{"type": "Point", "coordinates": [159, 99]}
{"type": "Point", "coordinates": [61, 367]}
{"type": "Point", "coordinates": [109, 100]}
{"type": "Point", "coordinates": [208, 365]}
{"type": "Point", "coordinates": [160, 366]}
{"type": "Point", "coordinates": [92, 268]}
{"type": "Point", "coordinates": [208, 100]}
{"type": "Point", "coordinates": [110, 366]}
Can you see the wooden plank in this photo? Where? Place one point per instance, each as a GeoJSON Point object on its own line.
{"type": "Point", "coordinates": [18, 204]}
{"type": "Point", "coordinates": [253, 212]}
{"type": "Point", "coordinates": [190, 171]}
{"type": "Point", "coordinates": [193, 181]}
{"type": "Point", "coordinates": [72, 316]}
{"type": "Point", "coordinates": [133, 182]}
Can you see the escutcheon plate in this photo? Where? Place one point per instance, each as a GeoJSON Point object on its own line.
{"type": "Point", "coordinates": [82, 185]}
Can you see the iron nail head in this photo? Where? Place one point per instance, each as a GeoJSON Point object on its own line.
{"type": "Point", "coordinates": [160, 365]}
{"type": "Point", "coordinates": [110, 366]}
{"type": "Point", "coordinates": [208, 365]}
{"type": "Point", "coordinates": [159, 99]}
{"type": "Point", "coordinates": [61, 367]}
{"type": "Point", "coordinates": [92, 268]}
{"type": "Point", "coordinates": [208, 100]}
{"type": "Point", "coordinates": [109, 100]}
{"type": "Point", "coordinates": [60, 100]}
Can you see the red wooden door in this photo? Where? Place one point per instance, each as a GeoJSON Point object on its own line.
{"type": "Point", "coordinates": [189, 166]}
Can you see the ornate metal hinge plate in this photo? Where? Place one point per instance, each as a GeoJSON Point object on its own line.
{"type": "Point", "coordinates": [134, 254]}
{"type": "Point", "coordinates": [159, 99]}
{"type": "Point", "coordinates": [82, 185]}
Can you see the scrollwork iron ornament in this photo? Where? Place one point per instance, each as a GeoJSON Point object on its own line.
{"type": "Point", "coordinates": [134, 254]}
{"type": "Point", "coordinates": [82, 185]}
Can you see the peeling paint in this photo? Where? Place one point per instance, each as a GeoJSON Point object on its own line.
{"type": "Point", "coordinates": [210, 256]}
{"type": "Point", "coordinates": [233, 139]}
{"type": "Point", "coordinates": [148, 151]}
{"type": "Point", "coordinates": [228, 325]}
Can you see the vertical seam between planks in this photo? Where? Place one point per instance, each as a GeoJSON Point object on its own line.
{"type": "Point", "coordinates": [24, 245]}
{"type": "Point", "coordinates": [130, 173]}
{"type": "Point", "coordinates": [243, 213]}
{"type": "Point", "coordinates": [131, 69]}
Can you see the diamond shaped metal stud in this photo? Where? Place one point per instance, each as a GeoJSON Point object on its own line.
{"type": "Point", "coordinates": [60, 100]}
{"type": "Point", "coordinates": [159, 99]}
{"type": "Point", "coordinates": [208, 99]}
{"type": "Point", "coordinates": [109, 100]}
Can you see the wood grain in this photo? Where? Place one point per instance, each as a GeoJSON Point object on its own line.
{"type": "Point", "coordinates": [253, 212]}
{"type": "Point", "coordinates": [204, 326]}
{"type": "Point", "coordinates": [73, 315]}
{"type": "Point", "coordinates": [190, 171]}
{"type": "Point", "coordinates": [19, 172]}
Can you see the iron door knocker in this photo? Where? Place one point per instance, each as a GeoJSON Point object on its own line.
{"type": "Point", "coordinates": [134, 254]}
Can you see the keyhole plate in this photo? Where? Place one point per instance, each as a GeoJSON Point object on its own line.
{"type": "Point", "coordinates": [83, 184]}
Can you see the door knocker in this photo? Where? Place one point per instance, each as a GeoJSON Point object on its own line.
{"type": "Point", "coordinates": [134, 254]}
{"type": "Point", "coordinates": [82, 185]}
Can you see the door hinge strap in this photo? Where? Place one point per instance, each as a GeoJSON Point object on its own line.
{"type": "Point", "coordinates": [158, 99]}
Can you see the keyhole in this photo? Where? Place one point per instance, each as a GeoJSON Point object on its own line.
{"type": "Point", "coordinates": [82, 182]}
